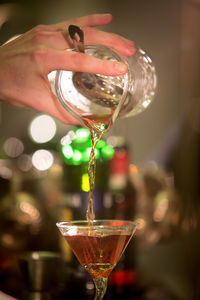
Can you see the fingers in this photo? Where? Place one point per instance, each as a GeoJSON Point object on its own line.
{"type": "Point", "coordinates": [56, 39]}
{"type": "Point", "coordinates": [94, 36]}
{"type": "Point", "coordinates": [94, 20]}
{"type": "Point", "coordinates": [121, 44]}
{"type": "Point", "coordinates": [46, 35]}
{"type": "Point", "coordinates": [51, 37]}
{"type": "Point", "coordinates": [79, 62]}
{"type": "Point", "coordinates": [90, 20]}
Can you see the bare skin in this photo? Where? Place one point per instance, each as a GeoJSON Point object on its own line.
{"type": "Point", "coordinates": [26, 61]}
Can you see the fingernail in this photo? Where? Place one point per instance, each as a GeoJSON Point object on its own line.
{"type": "Point", "coordinates": [131, 51]}
{"type": "Point", "coordinates": [131, 44]}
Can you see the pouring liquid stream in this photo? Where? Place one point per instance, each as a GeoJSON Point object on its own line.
{"type": "Point", "coordinates": [96, 135]}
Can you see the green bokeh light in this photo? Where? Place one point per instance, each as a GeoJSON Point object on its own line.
{"type": "Point", "coordinates": [82, 135]}
{"type": "Point", "coordinates": [77, 155]}
{"type": "Point", "coordinates": [100, 144]}
{"type": "Point", "coordinates": [67, 151]}
{"type": "Point", "coordinates": [79, 150]}
{"type": "Point", "coordinates": [107, 152]}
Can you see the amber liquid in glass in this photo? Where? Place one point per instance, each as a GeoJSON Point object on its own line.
{"type": "Point", "coordinates": [100, 253]}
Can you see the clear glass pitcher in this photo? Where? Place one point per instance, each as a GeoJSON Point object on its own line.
{"type": "Point", "coordinates": [103, 98]}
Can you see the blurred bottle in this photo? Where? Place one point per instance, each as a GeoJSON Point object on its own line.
{"type": "Point", "coordinates": [122, 279]}
{"type": "Point", "coordinates": [121, 188]}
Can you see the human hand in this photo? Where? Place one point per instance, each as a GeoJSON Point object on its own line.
{"type": "Point", "coordinates": [26, 61]}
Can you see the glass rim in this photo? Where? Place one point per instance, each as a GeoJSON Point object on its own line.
{"type": "Point", "coordinates": [98, 222]}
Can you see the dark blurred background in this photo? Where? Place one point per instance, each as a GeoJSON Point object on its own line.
{"type": "Point", "coordinates": [162, 145]}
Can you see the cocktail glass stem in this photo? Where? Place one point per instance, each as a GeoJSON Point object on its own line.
{"type": "Point", "coordinates": [101, 286]}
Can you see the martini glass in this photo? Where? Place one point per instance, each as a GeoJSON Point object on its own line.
{"type": "Point", "coordinates": [98, 247]}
